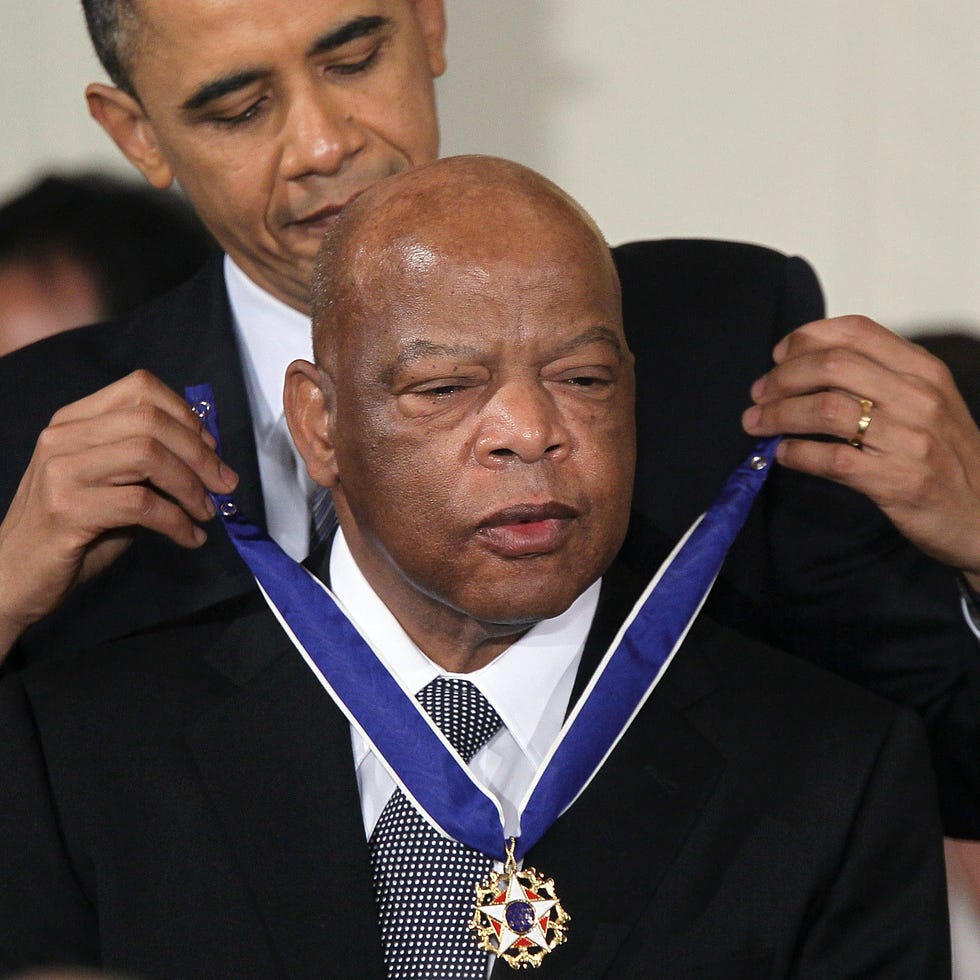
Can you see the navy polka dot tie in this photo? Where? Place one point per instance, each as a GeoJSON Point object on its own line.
{"type": "Point", "coordinates": [423, 882]}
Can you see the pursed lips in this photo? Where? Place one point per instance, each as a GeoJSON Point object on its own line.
{"type": "Point", "coordinates": [527, 529]}
{"type": "Point", "coordinates": [317, 220]}
{"type": "Point", "coordinates": [320, 219]}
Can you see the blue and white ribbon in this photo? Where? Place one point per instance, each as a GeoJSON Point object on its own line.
{"type": "Point", "coordinates": [410, 745]}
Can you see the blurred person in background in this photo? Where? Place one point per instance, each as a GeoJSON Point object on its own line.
{"type": "Point", "coordinates": [75, 249]}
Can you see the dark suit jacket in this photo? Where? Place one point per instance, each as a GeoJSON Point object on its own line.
{"type": "Point", "coordinates": [183, 805]}
{"type": "Point", "coordinates": [817, 571]}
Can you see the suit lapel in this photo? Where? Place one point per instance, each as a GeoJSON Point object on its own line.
{"type": "Point", "coordinates": [184, 338]}
{"type": "Point", "coordinates": [199, 346]}
{"type": "Point", "coordinates": [610, 851]}
{"type": "Point", "coordinates": [294, 819]}
{"type": "Point", "coordinates": [192, 341]}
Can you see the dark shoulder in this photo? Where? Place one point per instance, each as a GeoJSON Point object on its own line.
{"type": "Point", "coordinates": [699, 254]}
{"type": "Point", "coordinates": [701, 318]}
{"type": "Point", "coordinates": [698, 278]}
{"type": "Point", "coordinates": [165, 673]}
{"type": "Point", "coordinates": [100, 352]}
{"type": "Point", "coordinates": [737, 683]}
{"type": "Point", "coordinates": [763, 699]}
{"type": "Point", "coordinates": [38, 380]}
{"type": "Point", "coordinates": [678, 265]}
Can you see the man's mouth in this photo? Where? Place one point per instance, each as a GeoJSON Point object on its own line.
{"type": "Point", "coordinates": [318, 220]}
{"type": "Point", "coordinates": [527, 529]}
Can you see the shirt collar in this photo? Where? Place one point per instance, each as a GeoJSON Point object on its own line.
{"type": "Point", "coordinates": [271, 335]}
{"type": "Point", "coordinates": [517, 683]}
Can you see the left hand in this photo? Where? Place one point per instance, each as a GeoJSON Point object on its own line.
{"type": "Point", "coordinates": [920, 457]}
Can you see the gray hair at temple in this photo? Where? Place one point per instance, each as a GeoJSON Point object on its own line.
{"type": "Point", "coordinates": [113, 26]}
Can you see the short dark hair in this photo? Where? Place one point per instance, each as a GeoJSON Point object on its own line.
{"type": "Point", "coordinates": [112, 28]}
{"type": "Point", "coordinates": [135, 242]}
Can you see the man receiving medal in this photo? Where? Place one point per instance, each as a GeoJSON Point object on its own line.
{"type": "Point", "coordinates": [458, 744]}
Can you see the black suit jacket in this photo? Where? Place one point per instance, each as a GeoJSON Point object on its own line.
{"type": "Point", "coordinates": [183, 805]}
{"type": "Point", "coordinates": [817, 570]}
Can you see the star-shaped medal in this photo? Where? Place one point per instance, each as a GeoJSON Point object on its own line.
{"type": "Point", "coordinates": [518, 915]}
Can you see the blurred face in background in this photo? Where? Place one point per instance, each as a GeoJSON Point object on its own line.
{"type": "Point", "coordinates": [38, 299]}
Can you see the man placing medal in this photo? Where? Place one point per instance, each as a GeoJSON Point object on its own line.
{"type": "Point", "coordinates": [463, 739]}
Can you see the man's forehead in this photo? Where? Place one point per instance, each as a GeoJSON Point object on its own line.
{"type": "Point", "coordinates": [466, 231]}
{"type": "Point", "coordinates": [412, 349]}
{"type": "Point", "coordinates": [214, 36]}
{"type": "Point", "coordinates": [237, 11]}
{"type": "Point", "coordinates": [448, 308]}
{"type": "Point", "coordinates": [440, 281]}
{"type": "Point", "coordinates": [407, 241]}
{"type": "Point", "coordinates": [480, 317]}
{"type": "Point", "coordinates": [473, 208]}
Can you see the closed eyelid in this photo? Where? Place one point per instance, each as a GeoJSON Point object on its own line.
{"type": "Point", "coordinates": [220, 87]}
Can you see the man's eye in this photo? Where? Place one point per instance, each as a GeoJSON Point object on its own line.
{"type": "Point", "coordinates": [442, 391]}
{"type": "Point", "coordinates": [356, 67]}
{"type": "Point", "coordinates": [586, 381]}
{"type": "Point", "coordinates": [246, 115]}
{"type": "Point", "coordinates": [436, 389]}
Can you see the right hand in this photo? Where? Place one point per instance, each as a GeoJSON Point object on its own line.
{"type": "Point", "coordinates": [920, 459]}
{"type": "Point", "coordinates": [131, 455]}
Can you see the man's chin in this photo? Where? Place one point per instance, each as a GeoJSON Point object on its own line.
{"type": "Point", "coordinates": [519, 613]}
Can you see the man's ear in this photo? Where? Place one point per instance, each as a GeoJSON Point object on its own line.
{"type": "Point", "coordinates": [431, 18]}
{"type": "Point", "coordinates": [125, 120]}
{"type": "Point", "coordinates": [309, 415]}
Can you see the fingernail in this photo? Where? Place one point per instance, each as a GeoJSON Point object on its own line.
{"type": "Point", "coordinates": [209, 505]}
{"type": "Point", "coordinates": [751, 417]}
{"type": "Point", "coordinates": [779, 351]}
{"type": "Point", "coordinates": [199, 536]}
{"type": "Point", "coordinates": [758, 388]}
{"type": "Point", "coordinates": [228, 476]}
{"type": "Point", "coordinates": [209, 439]}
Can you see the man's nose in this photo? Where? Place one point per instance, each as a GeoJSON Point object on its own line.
{"type": "Point", "coordinates": [320, 133]}
{"type": "Point", "coordinates": [521, 422]}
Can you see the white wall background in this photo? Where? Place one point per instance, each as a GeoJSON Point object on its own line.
{"type": "Point", "coordinates": [848, 132]}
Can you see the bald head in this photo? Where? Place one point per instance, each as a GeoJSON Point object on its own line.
{"type": "Point", "coordinates": [472, 409]}
{"type": "Point", "coordinates": [467, 211]}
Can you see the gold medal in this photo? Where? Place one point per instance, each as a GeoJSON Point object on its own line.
{"type": "Point", "coordinates": [518, 915]}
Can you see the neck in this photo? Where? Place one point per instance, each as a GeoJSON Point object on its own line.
{"type": "Point", "coordinates": [466, 649]}
{"type": "Point", "coordinates": [454, 641]}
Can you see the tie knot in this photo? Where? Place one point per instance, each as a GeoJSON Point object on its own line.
{"type": "Point", "coordinates": [463, 714]}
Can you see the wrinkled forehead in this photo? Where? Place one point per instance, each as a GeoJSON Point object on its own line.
{"type": "Point", "coordinates": [422, 236]}
{"type": "Point", "coordinates": [220, 39]}
{"type": "Point", "coordinates": [454, 288]}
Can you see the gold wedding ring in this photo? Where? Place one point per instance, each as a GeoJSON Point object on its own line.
{"type": "Point", "coordinates": [866, 405]}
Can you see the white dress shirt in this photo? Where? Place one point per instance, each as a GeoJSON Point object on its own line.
{"type": "Point", "coordinates": [270, 336]}
{"type": "Point", "coordinates": [529, 685]}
